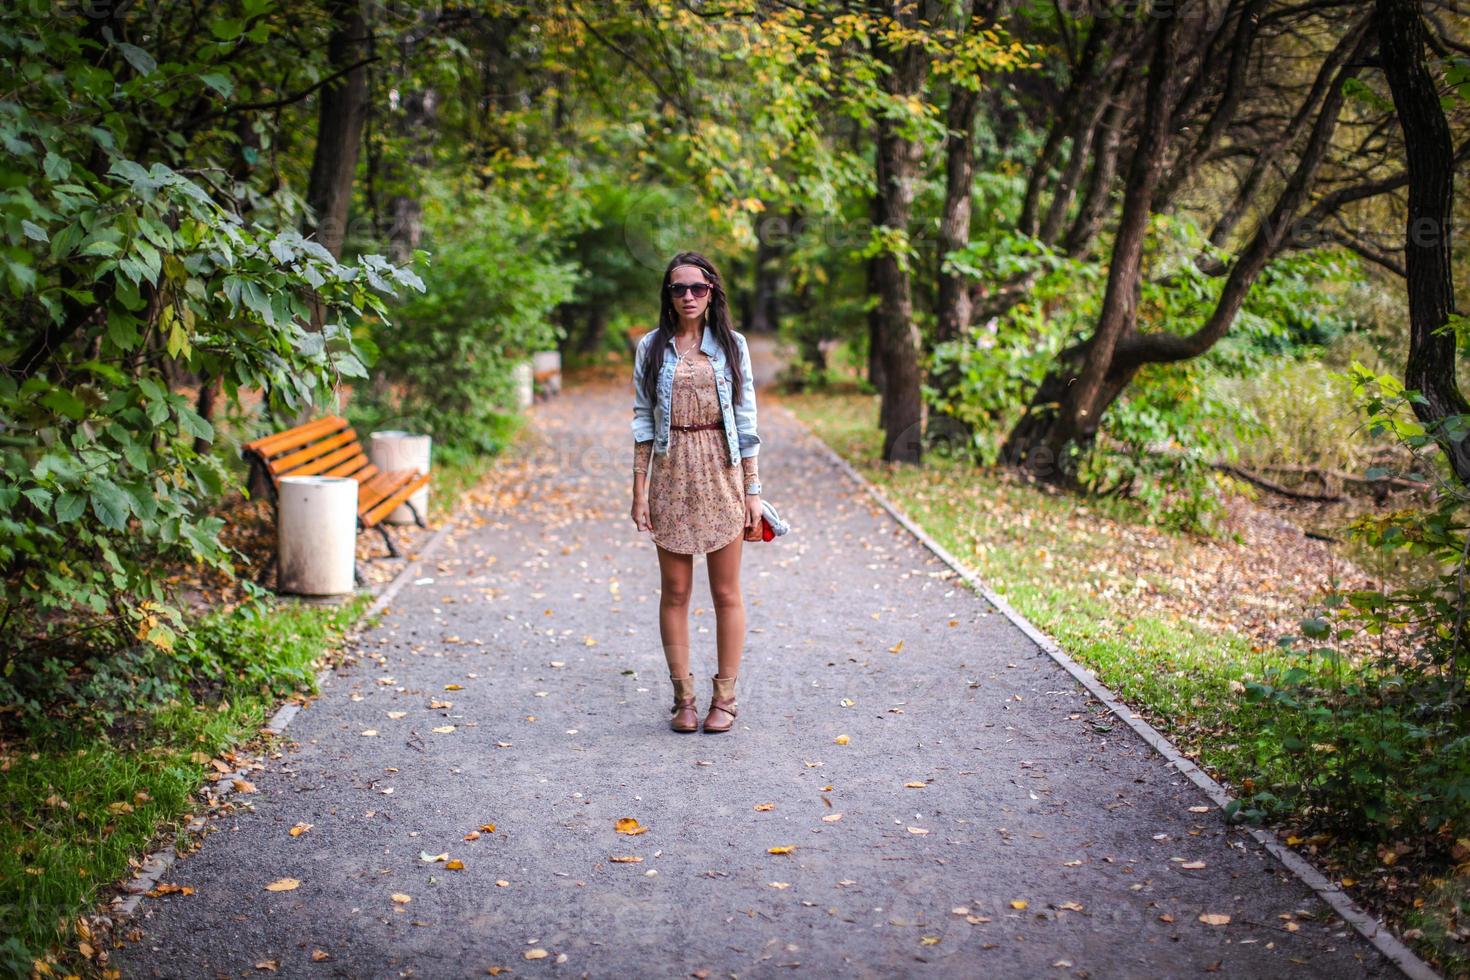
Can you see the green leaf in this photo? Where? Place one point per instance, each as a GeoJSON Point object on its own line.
{"type": "Point", "coordinates": [143, 62]}
{"type": "Point", "coordinates": [69, 506]}
{"type": "Point", "coordinates": [110, 504]}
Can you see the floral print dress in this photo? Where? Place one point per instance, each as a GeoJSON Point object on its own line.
{"type": "Point", "coordinates": [696, 499]}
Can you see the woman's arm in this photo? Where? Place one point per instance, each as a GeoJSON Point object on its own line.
{"type": "Point", "coordinates": [745, 418]}
{"type": "Point", "coordinates": [642, 451]}
{"type": "Point", "coordinates": [642, 406]}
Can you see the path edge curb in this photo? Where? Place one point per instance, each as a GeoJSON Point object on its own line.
{"type": "Point", "coordinates": [1374, 931]}
{"type": "Point", "coordinates": [152, 866]}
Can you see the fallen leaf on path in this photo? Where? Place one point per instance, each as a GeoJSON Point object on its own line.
{"type": "Point", "coordinates": [832, 818]}
{"type": "Point", "coordinates": [472, 835]}
{"type": "Point", "coordinates": [243, 786]}
{"type": "Point", "coordinates": [781, 849]}
{"type": "Point", "coordinates": [395, 715]}
{"type": "Point", "coordinates": [536, 954]}
{"type": "Point", "coordinates": [1018, 903]}
{"type": "Point", "coordinates": [443, 729]}
{"type": "Point", "coordinates": [630, 826]}
{"type": "Point", "coordinates": [897, 646]}
{"type": "Point", "coordinates": [1214, 918]}
{"type": "Point", "coordinates": [401, 898]}
{"type": "Point", "coordinates": [626, 859]}
{"type": "Point", "coordinates": [915, 784]}
{"type": "Point", "coordinates": [368, 733]}
{"type": "Point", "coordinates": [780, 884]}
{"type": "Point", "coordinates": [271, 965]}
{"type": "Point", "coordinates": [765, 806]}
{"type": "Point", "coordinates": [300, 828]}
{"type": "Point", "coordinates": [918, 830]}
{"type": "Point", "coordinates": [1193, 865]}
{"type": "Point", "coordinates": [318, 955]}
{"type": "Point", "coordinates": [283, 885]}
{"type": "Point", "coordinates": [841, 740]}
{"type": "Point", "coordinates": [428, 858]}
{"type": "Point", "coordinates": [454, 687]}
{"type": "Point", "coordinates": [455, 865]}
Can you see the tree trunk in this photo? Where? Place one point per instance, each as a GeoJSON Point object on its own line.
{"type": "Point", "coordinates": [343, 110]}
{"type": "Point", "coordinates": [954, 227]}
{"type": "Point", "coordinates": [1428, 230]}
{"type": "Point", "coordinates": [898, 337]}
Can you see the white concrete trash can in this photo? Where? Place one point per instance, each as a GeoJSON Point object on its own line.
{"type": "Point", "coordinates": [524, 379]}
{"type": "Point", "coordinates": [316, 534]}
{"type": "Point", "coordinates": [394, 449]}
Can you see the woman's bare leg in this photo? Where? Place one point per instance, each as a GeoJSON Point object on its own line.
{"type": "Point", "coordinates": [676, 581]}
{"type": "Point", "coordinates": [724, 590]}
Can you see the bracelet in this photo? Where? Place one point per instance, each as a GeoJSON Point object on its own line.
{"type": "Point", "coordinates": [637, 470]}
{"type": "Point", "coordinates": [753, 489]}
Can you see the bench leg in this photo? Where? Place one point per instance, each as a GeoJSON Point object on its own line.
{"type": "Point", "coordinates": [417, 517]}
{"type": "Point", "coordinates": [392, 548]}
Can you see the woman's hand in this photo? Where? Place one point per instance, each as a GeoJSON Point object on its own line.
{"type": "Point", "coordinates": [753, 516]}
{"type": "Point", "coordinates": [640, 512]}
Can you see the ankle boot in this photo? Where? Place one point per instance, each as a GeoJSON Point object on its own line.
{"type": "Point", "coordinates": [686, 715]}
{"type": "Point", "coordinates": [722, 705]}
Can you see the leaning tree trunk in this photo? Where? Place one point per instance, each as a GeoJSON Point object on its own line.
{"type": "Point", "coordinates": [1427, 246]}
{"type": "Point", "coordinates": [1045, 437]}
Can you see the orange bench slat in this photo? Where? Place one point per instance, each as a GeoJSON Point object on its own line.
{"type": "Point", "coordinates": [293, 464]}
{"type": "Point", "coordinates": [280, 442]}
{"type": "Point", "coordinates": [390, 504]}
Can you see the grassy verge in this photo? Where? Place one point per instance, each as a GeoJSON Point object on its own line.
{"type": "Point", "coordinates": [82, 805]}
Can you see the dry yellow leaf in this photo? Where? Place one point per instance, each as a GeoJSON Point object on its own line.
{"type": "Point", "coordinates": [629, 826]}
{"type": "Point", "coordinates": [928, 940]}
{"type": "Point", "coordinates": [781, 849]}
{"type": "Point", "coordinates": [488, 828]}
{"type": "Point", "coordinates": [395, 715]}
{"type": "Point", "coordinates": [832, 818]}
{"type": "Point", "coordinates": [472, 835]}
{"type": "Point", "coordinates": [626, 859]}
{"type": "Point", "coordinates": [780, 884]}
{"type": "Point", "coordinates": [1018, 903]}
{"type": "Point", "coordinates": [444, 729]}
{"type": "Point", "coordinates": [896, 647]}
{"type": "Point", "coordinates": [1214, 918]}
{"type": "Point", "coordinates": [243, 786]}
{"type": "Point", "coordinates": [283, 885]}
{"type": "Point", "coordinates": [455, 865]}
{"type": "Point", "coordinates": [318, 955]}
{"type": "Point", "coordinates": [271, 965]}
{"type": "Point", "coordinates": [536, 954]}
{"type": "Point", "coordinates": [765, 806]}
{"type": "Point", "coordinates": [300, 828]}
{"type": "Point", "coordinates": [918, 830]}
{"type": "Point", "coordinates": [915, 784]}
{"type": "Point", "coordinates": [502, 883]}
{"type": "Point", "coordinates": [368, 732]}
{"type": "Point", "coordinates": [401, 898]}
{"type": "Point", "coordinates": [841, 740]}
{"type": "Point", "coordinates": [454, 687]}
{"type": "Point", "coordinates": [1193, 865]}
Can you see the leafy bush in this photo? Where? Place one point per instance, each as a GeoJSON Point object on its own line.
{"type": "Point", "coordinates": [1380, 747]}
{"type": "Point", "coordinates": [445, 367]}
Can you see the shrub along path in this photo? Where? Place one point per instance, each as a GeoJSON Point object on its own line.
{"type": "Point", "coordinates": [935, 789]}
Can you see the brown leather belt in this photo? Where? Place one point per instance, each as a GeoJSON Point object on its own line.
{"type": "Point", "coordinates": [696, 428]}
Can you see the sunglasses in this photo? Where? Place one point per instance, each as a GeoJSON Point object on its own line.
{"type": "Point", "coordinates": [699, 290]}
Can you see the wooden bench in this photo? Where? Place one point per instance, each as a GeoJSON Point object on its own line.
{"type": "Point", "coordinates": [329, 447]}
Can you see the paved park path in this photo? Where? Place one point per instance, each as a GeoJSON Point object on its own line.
{"type": "Point", "coordinates": [518, 682]}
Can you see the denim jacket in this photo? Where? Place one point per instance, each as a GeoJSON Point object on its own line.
{"type": "Point", "coordinates": [651, 421]}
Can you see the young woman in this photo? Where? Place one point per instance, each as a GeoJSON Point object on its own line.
{"type": "Point", "coordinates": [695, 484]}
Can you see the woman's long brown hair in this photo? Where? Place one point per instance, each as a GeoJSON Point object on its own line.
{"type": "Point", "coordinates": [717, 319]}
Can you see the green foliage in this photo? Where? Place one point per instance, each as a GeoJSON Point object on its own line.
{"type": "Point", "coordinates": [121, 277]}
{"type": "Point", "coordinates": [1380, 746]}
{"type": "Point", "coordinates": [494, 281]}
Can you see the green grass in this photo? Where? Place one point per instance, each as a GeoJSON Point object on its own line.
{"type": "Point", "coordinates": [80, 805]}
